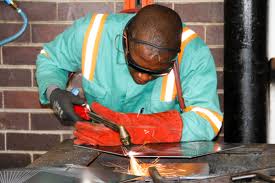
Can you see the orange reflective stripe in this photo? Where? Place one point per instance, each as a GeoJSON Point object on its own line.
{"type": "Point", "coordinates": [164, 83]}
{"type": "Point", "coordinates": [214, 118]}
{"type": "Point", "coordinates": [84, 47]}
{"type": "Point", "coordinates": [91, 45]}
{"type": "Point", "coordinates": [183, 45]}
{"type": "Point", "coordinates": [98, 36]}
{"type": "Point", "coordinates": [169, 90]}
{"type": "Point", "coordinates": [187, 109]}
{"type": "Point", "coordinates": [216, 130]}
{"type": "Point", "coordinates": [185, 29]}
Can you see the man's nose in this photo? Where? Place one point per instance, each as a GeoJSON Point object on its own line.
{"type": "Point", "coordinates": [144, 76]}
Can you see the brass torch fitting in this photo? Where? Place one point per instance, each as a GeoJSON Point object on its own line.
{"type": "Point", "coordinates": [124, 136]}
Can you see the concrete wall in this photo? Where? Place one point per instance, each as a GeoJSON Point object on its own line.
{"type": "Point", "coordinates": [28, 129]}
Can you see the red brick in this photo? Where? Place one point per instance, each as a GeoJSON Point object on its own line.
{"type": "Point", "coordinates": [36, 11]}
{"type": "Point", "coordinates": [34, 78]}
{"type": "Point", "coordinates": [198, 29]}
{"type": "Point", "coordinates": [39, 142]}
{"type": "Point", "coordinates": [2, 141]}
{"type": "Point", "coordinates": [15, 77]}
{"type": "Point", "coordinates": [8, 13]}
{"type": "Point", "coordinates": [119, 7]}
{"type": "Point", "coordinates": [22, 99]}
{"type": "Point", "coordinates": [14, 160]}
{"type": "Point", "coordinates": [1, 100]}
{"type": "Point", "coordinates": [16, 55]}
{"type": "Point", "coordinates": [214, 35]}
{"type": "Point", "coordinates": [220, 79]}
{"type": "Point", "coordinates": [218, 56]}
{"type": "Point", "coordinates": [44, 33]}
{"type": "Point", "coordinates": [169, 5]}
{"type": "Point", "coordinates": [9, 29]}
{"type": "Point", "coordinates": [46, 122]}
{"type": "Point", "coordinates": [1, 55]}
{"type": "Point", "coordinates": [72, 11]}
{"type": "Point", "coordinates": [200, 12]}
{"type": "Point", "coordinates": [18, 121]}
{"type": "Point", "coordinates": [221, 98]}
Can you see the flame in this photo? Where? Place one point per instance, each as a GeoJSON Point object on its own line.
{"type": "Point", "coordinates": [138, 168]}
{"type": "Point", "coordinates": [135, 167]}
{"type": "Point", "coordinates": [141, 169]}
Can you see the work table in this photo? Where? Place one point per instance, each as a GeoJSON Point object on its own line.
{"type": "Point", "coordinates": [226, 163]}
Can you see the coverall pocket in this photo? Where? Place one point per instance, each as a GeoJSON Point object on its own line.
{"type": "Point", "coordinates": [160, 106]}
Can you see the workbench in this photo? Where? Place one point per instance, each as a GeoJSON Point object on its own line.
{"type": "Point", "coordinates": [223, 165]}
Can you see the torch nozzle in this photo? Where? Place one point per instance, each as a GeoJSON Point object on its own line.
{"type": "Point", "coordinates": [124, 136]}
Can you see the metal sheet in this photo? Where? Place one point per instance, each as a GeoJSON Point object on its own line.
{"type": "Point", "coordinates": [167, 150]}
{"type": "Point", "coordinates": [68, 174]}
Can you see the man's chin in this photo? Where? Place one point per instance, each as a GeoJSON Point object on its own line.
{"type": "Point", "coordinates": [140, 82]}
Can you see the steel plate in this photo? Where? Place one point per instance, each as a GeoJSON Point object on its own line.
{"type": "Point", "coordinates": [167, 150]}
{"type": "Point", "coordinates": [68, 174]}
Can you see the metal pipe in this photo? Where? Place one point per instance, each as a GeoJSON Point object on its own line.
{"type": "Point", "coordinates": [157, 178]}
{"type": "Point", "coordinates": [271, 116]}
{"type": "Point", "coordinates": [271, 57]}
{"type": "Point", "coordinates": [245, 71]}
{"type": "Point", "coordinates": [271, 30]}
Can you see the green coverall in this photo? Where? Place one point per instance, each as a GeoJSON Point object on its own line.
{"type": "Point", "coordinates": [113, 85]}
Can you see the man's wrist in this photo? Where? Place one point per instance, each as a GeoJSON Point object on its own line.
{"type": "Point", "coordinates": [50, 89]}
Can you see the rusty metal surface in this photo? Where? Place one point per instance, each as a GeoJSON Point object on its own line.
{"type": "Point", "coordinates": [222, 164]}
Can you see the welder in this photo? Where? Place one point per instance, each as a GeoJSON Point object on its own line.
{"type": "Point", "coordinates": [127, 63]}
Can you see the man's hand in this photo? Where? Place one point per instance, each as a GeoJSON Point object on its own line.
{"type": "Point", "coordinates": [143, 128]}
{"type": "Point", "coordinates": [62, 103]}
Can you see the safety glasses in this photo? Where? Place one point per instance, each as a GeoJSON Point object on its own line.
{"type": "Point", "coordinates": [131, 63]}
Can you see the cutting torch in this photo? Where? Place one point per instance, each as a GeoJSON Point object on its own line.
{"type": "Point", "coordinates": [86, 113]}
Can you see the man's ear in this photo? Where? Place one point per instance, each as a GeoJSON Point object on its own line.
{"type": "Point", "coordinates": [125, 42]}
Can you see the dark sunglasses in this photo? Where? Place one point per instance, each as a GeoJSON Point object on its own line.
{"type": "Point", "coordinates": [131, 62]}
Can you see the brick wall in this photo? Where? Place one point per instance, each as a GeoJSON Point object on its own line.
{"type": "Point", "coordinates": [28, 129]}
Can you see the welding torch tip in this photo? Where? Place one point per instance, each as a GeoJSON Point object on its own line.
{"type": "Point", "coordinates": [124, 136]}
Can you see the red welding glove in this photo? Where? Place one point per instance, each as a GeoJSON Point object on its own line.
{"type": "Point", "coordinates": [143, 128]}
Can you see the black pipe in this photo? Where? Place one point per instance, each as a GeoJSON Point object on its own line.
{"type": "Point", "coordinates": [245, 71]}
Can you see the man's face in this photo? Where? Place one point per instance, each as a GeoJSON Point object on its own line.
{"type": "Point", "coordinates": [141, 59]}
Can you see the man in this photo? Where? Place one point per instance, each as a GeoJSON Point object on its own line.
{"type": "Point", "coordinates": [126, 62]}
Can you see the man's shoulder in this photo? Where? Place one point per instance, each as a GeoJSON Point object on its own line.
{"type": "Point", "coordinates": [194, 42]}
